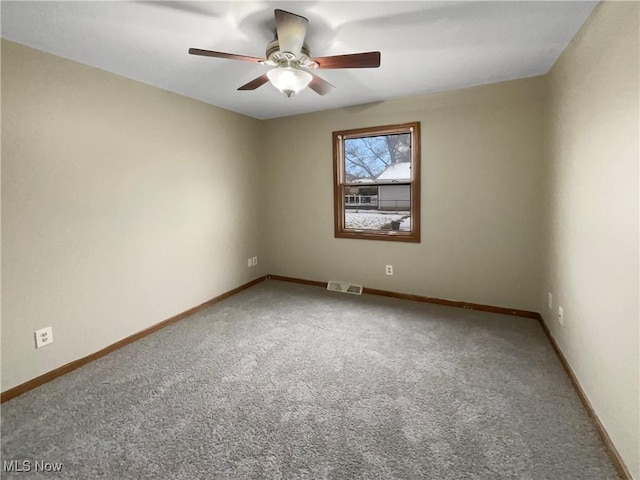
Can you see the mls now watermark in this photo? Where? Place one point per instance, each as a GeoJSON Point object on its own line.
{"type": "Point", "coordinates": [24, 466]}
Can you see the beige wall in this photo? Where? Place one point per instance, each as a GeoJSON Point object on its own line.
{"type": "Point", "coordinates": [122, 205]}
{"type": "Point", "coordinates": [592, 217]}
{"type": "Point", "coordinates": [482, 152]}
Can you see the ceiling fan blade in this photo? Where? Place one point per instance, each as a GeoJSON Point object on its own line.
{"type": "Point", "coordinates": [255, 83]}
{"type": "Point", "coordinates": [291, 30]}
{"type": "Point", "coordinates": [353, 60]}
{"type": "Point", "coordinates": [231, 56]}
{"type": "Point", "coordinates": [320, 86]}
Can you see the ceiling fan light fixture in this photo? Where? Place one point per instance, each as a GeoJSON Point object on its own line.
{"type": "Point", "coordinates": [289, 80]}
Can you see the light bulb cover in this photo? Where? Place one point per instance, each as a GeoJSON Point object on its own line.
{"type": "Point", "coordinates": [289, 80]}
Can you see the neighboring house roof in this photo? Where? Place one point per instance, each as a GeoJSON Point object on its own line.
{"type": "Point", "coordinates": [397, 171]}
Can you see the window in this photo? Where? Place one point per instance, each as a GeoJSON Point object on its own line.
{"type": "Point", "coordinates": [377, 183]}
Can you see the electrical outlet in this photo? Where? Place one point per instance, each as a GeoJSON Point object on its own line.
{"type": "Point", "coordinates": [561, 315]}
{"type": "Point", "coordinates": [249, 262]}
{"type": "Point", "coordinates": [254, 261]}
{"type": "Point", "coordinates": [44, 337]}
{"type": "Point", "coordinates": [550, 301]}
{"type": "Point", "coordinates": [388, 269]}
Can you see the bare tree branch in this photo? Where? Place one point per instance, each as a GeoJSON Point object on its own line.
{"type": "Point", "coordinates": [367, 156]}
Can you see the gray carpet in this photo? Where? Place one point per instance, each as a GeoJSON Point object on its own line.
{"type": "Point", "coordinates": [287, 381]}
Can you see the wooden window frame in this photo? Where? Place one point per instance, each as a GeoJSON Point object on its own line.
{"type": "Point", "coordinates": [339, 183]}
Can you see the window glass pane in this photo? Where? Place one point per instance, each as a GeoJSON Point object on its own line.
{"type": "Point", "coordinates": [379, 159]}
{"type": "Point", "coordinates": [378, 207]}
{"type": "Point", "coordinates": [373, 167]}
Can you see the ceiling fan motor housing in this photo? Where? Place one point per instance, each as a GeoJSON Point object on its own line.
{"type": "Point", "coordinates": [277, 58]}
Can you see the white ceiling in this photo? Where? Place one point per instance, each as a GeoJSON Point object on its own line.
{"type": "Point", "coordinates": [426, 46]}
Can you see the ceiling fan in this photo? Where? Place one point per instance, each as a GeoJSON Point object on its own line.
{"type": "Point", "coordinates": [291, 57]}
